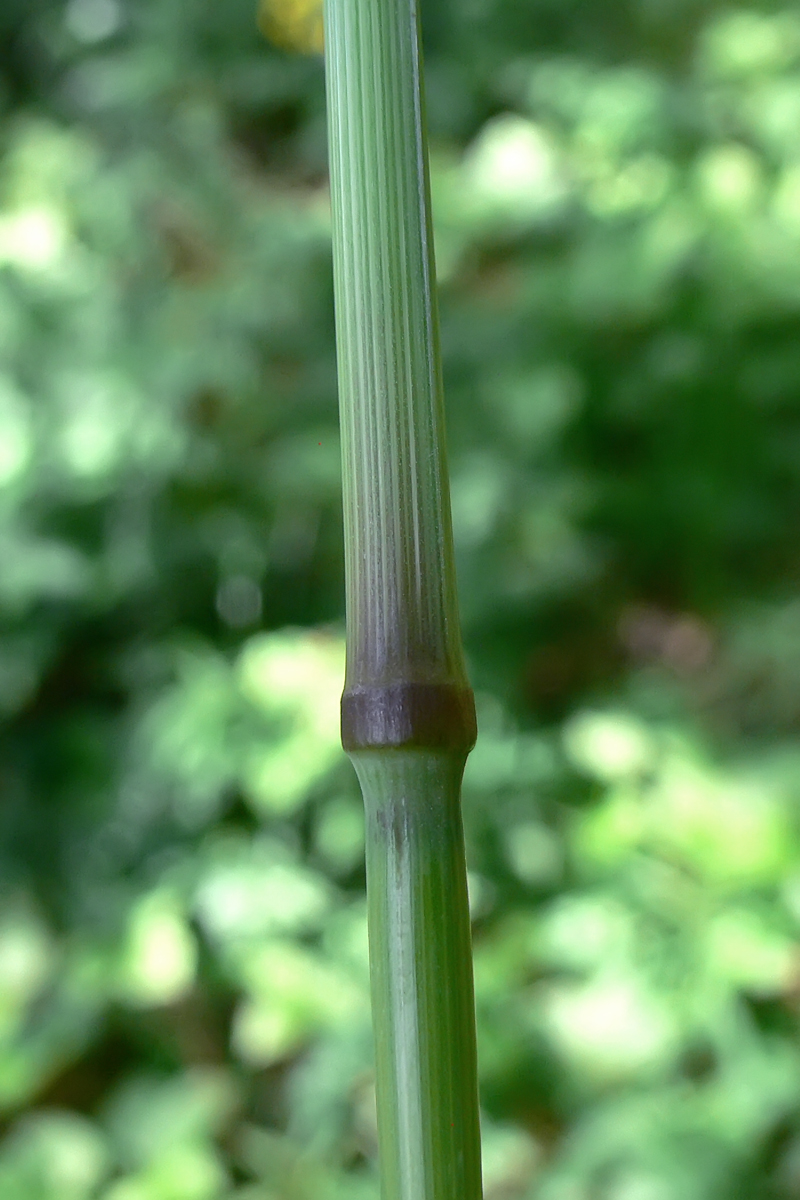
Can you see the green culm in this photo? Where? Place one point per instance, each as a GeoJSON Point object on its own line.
{"type": "Point", "coordinates": [408, 717]}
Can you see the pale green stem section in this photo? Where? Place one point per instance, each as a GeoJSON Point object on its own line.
{"type": "Point", "coordinates": [402, 614]}
{"type": "Point", "coordinates": [421, 975]}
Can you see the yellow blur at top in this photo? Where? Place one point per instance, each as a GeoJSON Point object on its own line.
{"type": "Point", "coordinates": [292, 24]}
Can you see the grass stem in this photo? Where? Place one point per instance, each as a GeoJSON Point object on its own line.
{"type": "Point", "coordinates": [408, 717]}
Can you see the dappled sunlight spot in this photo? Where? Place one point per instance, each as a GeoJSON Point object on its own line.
{"type": "Point", "coordinates": [255, 890]}
{"type": "Point", "coordinates": [292, 994]}
{"type": "Point", "coordinates": [39, 568]}
{"type": "Point", "coordinates": [559, 84]}
{"type": "Point", "coordinates": [534, 853]}
{"type": "Point", "coordinates": [184, 1172]}
{"type": "Point", "coordinates": [747, 951]}
{"type": "Point", "coordinates": [513, 168]}
{"type": "Point", "coordinates": [294, 669]}
{"type": "Point", "coordinates": [160, 958]}
{"type": "Point", "coordinates": [277, 778]}
{"type": "Point", "coordinates": [27, 959]}
{"type": "Point", "coordinates": [150, 1111]}
{"type": "Point", "coordinates": [616, 117]}
{"type": "Point", "coordinates": [339, 833]}
{"type": "Point", "coordinates": [33, 239]}
{"type": "Point", "coordinates": [743, 43]}
{"type": "Point", "coordinates": [16, 440]}
{"type": "Point", "coordinates": [162, 1130]}
{"type": "Point", "coordinates": [771, 112]}
{"type": "Point", "coordinates": [612, 830]}
{"type": "Point", "coordinates": [622, 109]}
{"type": "Point", "coordinates": [609, 746]}
{"type": "Point", "coordinates": [665, 800]}
{"type": "Point", "coordinates": [584, 931]}
{"type": "Point", "coordinates": [479, 487]}
{"type": "Point", "coordinates": [104, 424]}
{"type": "Point", "coordinates": [92, 21]}
{"type": "Point", "coordinates": [185, 734]}
{"type": "Point", "coordinates": [611, 1027]}
{"type": "Point", "coordinates": [296, 678]}
{"type": "Point", "coordinates": [46, 166]}
{"type": "Point", "coordinates": [790, 893]}
{"type": "Point", "coordinates": [53, 1153]}
{"type": "Point", "coordinates": [637, 186]}
{"type": "Point", "coordinates": [91, 439]}
{"type": "Point", "coordinates": [786, 199]}
{"type": "Point", "coordinates": [730, 178]}
{"type": "Point", "coordinates": [262, 1034]}
{"type": "Point", "coordinates": [731, 830]}
{"type": "Point", "coordinates": [267, 724]}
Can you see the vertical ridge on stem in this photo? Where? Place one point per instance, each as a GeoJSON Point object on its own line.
{"type": "Point", "coordinates": [408, 715]}
{"type": "Point", "coordinates": [421, 955]}
{"type": "Point", "coordinates": [401, 597]}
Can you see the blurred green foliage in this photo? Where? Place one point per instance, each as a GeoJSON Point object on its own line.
{"type": "Point", "coordinates": [184, 1005]}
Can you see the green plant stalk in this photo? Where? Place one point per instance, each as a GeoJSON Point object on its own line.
{"type": "Point", "coordinates": [421, 965]}
{"type": "Point", "coordinates": [408, 717]}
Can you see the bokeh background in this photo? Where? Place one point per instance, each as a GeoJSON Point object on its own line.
{"type": "Point", "coordinates": [184, 1008]}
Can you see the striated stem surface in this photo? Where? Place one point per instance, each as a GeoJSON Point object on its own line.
{"type": "Point", "coordinates": [421, 958]}
{"type": "Point", "coordinates": [402, 613]}
{"type": "Point", "coordinates": [408, 715]}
